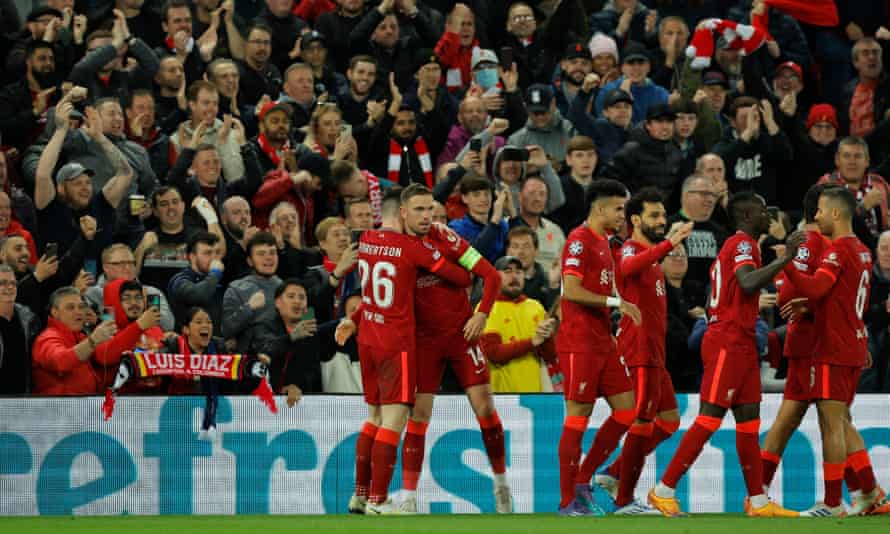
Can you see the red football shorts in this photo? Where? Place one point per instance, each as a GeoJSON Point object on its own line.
{"type": "Point", "coordinates": [653, 390]}
{"type": "Point", "coordinates": [590, 375]}
{"type": "Point", "coordinates": [834, 382]}
{"type": "Point", "coordinates": [467, 361]}
{"type": "Point", "coordinates": [732, 370]}
{"type": "Point", "coordinates": [388, 376]}
{"type": "Point", "coordinates": [800, 380]}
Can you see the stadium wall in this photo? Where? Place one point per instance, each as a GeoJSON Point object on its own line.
{"type": "Point", "coordinates": [57, 456]}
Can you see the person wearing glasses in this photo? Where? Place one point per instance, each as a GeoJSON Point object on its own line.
{"type": "Point", "coordinates": [258, 75]}
{"type": "Point", "coordinates": [698, 197]}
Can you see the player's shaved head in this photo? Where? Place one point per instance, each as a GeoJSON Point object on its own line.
{"type": "Point", "coordinates": [842, 199]}
{"type": "Point", "coordinates": [392, 201]}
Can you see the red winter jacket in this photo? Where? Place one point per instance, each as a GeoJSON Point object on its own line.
{"type": "Point", "coordinates": [56, 369]}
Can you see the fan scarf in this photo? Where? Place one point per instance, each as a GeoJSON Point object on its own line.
{"type": "Point", "coordinates": [269, 150]}
{"type": "Point", "coordinates": [396, 151]}
{"type": "Point", "coordinates": [737, 37]}
{"type": "Point", "coordinates": [235, 367]}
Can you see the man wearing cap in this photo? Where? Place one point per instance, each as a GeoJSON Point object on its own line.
{"type": "Point", "coordinates": [518, 336]}
{"type": "Point", "coordinates": [545, 127]}
{"type": "Point", "coordinates": [708, 91]}
{"type": "Point", "coordinates": [298, 188]}
{"type": "Point", "coordinates": [273, 142]}
{"type": "Point", "coordinates": [456, 46]}
{"type": "Point", "coordinates": [314, 51]}
{"type": "Point", "coordinates": [575, 65]}
{"type": "Point", "coordinates": [43, 24]}
{"type": "Point", "coordinates": [258, 75]}
{"type": "Point", "coordinates": [436, 104]}
{"type": "Point", "coordinates": [635, 67]}
{"type": "Point", "coordinates": [609, 132]}
{"type": "Point", "coordinates": [787, 86]}
{"type": "Point", "coordinates": [650, 157]}
{"type": "Point", "coordinates": [60, 205]}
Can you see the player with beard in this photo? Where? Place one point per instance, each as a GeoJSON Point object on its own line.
{"type": "Point", "coordinates": [641, 281]}
{"type": "Point", "coordinates": [587, 351]}
{"type": "Point", "coordinates": [575, 65]}
{"type": "Point", "coordinates": [839, 291]}
{"type": "Point", "coordinates": [388, 265]}
{"type": "Point", "coordinates": [729, 353]}
{"type": "Point", "coordinates": [448, 333]}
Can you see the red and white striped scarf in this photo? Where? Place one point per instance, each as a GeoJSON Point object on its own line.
{"type": "Point", "coordinates": [270, 151]}
{"type": "Point", "coordinates": [423, 156]}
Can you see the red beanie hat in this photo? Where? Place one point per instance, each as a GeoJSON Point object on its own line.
{"type": "Point", "coordinates": [822, 113]}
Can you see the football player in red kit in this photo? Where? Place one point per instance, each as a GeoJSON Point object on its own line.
{"type": "Point", "coordinates": [731, 367]}
{"type": "Point", "coordinates": [448, 332]}
{"type": "Point", "coordinates": [641, 281]}
{"type": "Point", "coordinates": [588, 353]}
{"type": "Point", "coordinates": [388, 264]}
{"type": "Point", "coordinates": [838, 291]}
{"type": "Point", "coordinates": [800, 341]}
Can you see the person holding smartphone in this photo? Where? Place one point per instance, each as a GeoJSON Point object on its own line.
{"type": "Point", "coordinates": [138, 319]}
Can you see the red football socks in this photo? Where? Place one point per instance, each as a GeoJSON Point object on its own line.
{"type": "Point", "coordinates": [383, 461]}
{"type": "Point", "coordinates": [363, 458]}
{"type": "Point", "coordinates": [662, 431]}
{"type": "Point", "coordinates": [865, 475]}
{"type": "Point", "coordinates": [769, 462]}
{"type": "Point", "coordinates": [633, 456]}
{"type": "Point", "coordinates": [412, 454]}
{"type": "Point", "coordinates": [605, 442]}
{"type": "Point", "coordinates": [493, 438]}
{"type": "Point", "coordinates": [569, 453]}
{"type": "Point", "coordinates": [690, 447]}
{"type": "Point", "coordinates": [748, 448]}
{"type": "Point", "coordinates": [834, 478]}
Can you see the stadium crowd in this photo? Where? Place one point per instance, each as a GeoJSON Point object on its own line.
{"type": "Point", "coordinates": [201, 170]}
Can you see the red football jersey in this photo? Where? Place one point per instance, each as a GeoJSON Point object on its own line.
{"type": "Point", "coordinates": [388, 262]}
{"type": "Point", "coordinates": [587, 329]}
{"type": "Point", "coordinates": [641, 281]}
{"type": "Point", "coordinates": [442, 307]}
{"type": "Point", "coordinates": [729, 306]}
{"type": "Point", "coordinates": [800, 336]}
{"type": "Point", "coordinates": [843, 338]}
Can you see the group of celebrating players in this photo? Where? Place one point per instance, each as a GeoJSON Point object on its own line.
{"type": "Point", "coordinates": [416, 316]}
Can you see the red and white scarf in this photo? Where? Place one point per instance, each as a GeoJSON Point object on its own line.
{"type": "Point", "coordinates": [375, 197]}
{"type": "Point", "coordinates": [270, 151]}
{"type": "Point", "coordinates": [189, 45]}
{"type": "Point", "coordinates": [423, 156]}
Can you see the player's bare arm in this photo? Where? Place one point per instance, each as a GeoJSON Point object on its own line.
{"type": "Point", "coordinates": [573, 291]}
{"type": "Point", "coordinates": [751, 279]}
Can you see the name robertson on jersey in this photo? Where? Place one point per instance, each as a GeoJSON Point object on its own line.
{"type": "Point", "coordinates": [380, 250]}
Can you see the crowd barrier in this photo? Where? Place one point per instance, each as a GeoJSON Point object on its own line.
{"type": "Point", "coordinates": [57, 456]}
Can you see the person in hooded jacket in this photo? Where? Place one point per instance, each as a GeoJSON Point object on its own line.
{"type": "Point", "coordinates": [138, 327]}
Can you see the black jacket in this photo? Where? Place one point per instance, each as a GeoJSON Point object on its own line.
{"type": "Point", "coordinates": [645, 161]}
{"type": "Point", "coordinates": [293, 362]}
{"type": "Point", "coordinates": [121, 83]}
{"type": "Point", "coordinates": [284, 34]}
{"type": "Point", "coordinates": [753, 166]}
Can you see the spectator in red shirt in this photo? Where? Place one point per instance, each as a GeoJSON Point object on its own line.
{"type": "Point", "coordinates": [62, 358]}
{"type": "Point", "coordinates": [455, 47]}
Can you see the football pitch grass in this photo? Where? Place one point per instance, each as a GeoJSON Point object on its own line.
{"type": "Point", "coordinates": [440, 524]}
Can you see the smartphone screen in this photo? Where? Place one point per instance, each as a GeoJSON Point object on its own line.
{"type": "Point", "coordinates": [52, 250]}
{"type": "Point", "coordinates": [310, 314]}
{"type": "Point", "coordinates": [154, 301]}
